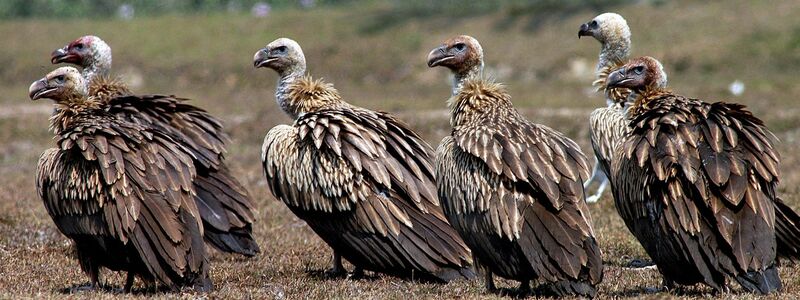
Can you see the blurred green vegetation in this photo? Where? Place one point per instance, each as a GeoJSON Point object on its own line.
{"type": "Point", "coordinates": [399, 9]}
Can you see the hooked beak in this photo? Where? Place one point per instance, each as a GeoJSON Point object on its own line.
{"type": "Point", "coordinates": [617, 79]}
{"type": "Point", "coordinates": [39, 89]}
{"type": "Point", "coordinates": [438, 56]}
{"type": "Point", "coordinates": [61, 55]}
{"type": "Point", "coordinates": [584, 30]}
{"type": "Point", "coordinates": [261, 59]}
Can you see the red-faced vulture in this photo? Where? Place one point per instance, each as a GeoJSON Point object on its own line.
{"type": "Point", "coordinates": [513, 188]}
{"type": "Point", "coordinates": [121, 191]}
{"type": "Point", "coordinates": [362, 180]}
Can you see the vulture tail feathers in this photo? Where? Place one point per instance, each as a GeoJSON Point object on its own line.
{"type": "Point", "coordinates": [763, 282]}
{"type": "Point", "coordinates": [787, 231]}
{"type": "Point", "coordinates": [226, 211]}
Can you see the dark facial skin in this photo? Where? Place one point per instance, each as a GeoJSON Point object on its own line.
{"type": "Point", "coordinates": [588, 28]}
{"type": "Point", "coordinates": [276, 58]}
{"type": "Point", "coordinates": [73, 53]}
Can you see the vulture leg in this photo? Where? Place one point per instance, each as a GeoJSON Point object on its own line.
{"type": "Point", "coordinates": [337, 271]}
{"type": "Point", "coordinates": [524, 288]}
{"type": "Point", "coordinates": [358, 273]}
{"type": "Point", "coordinates": [597, 176]}
{"type": "Point", "coordinates": [129, 283]}
{"type": "Point", "coordinates": [489, 281]}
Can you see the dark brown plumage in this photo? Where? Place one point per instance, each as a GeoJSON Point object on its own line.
{"type": "Point", "coordinates": [695, 184]}
{"type": "Point", "coordinates": [362, 180]}
{"type": "Point", "coordinates": [225, 206]}
{"type": "Point", "coordinates": [121, 191]}
{"type": "Point", "coordinates": [513, 188]}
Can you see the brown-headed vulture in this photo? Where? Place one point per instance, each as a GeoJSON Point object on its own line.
{"type": "Point", "coordinates": [512, 188]}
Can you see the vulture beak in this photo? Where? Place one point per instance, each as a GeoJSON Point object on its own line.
{"type": "Point", "coordinates": [261, 59]}
{"type": "Point", "coordinates": [584, 30]}
{"type": "Point", "coordinates": [61, 55]}
{"type": "Point", "coordinates": [438, 56]}
{"type": "Point", "coordinates": [39, 89]}
{"type": "Point", "coordinates": [617, 79]}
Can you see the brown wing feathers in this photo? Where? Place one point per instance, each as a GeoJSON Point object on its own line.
{"type": "Point", "coordinates": [134, 188]}
{"type": "Point", "coordinates": [225, 206]}
{"type": "Point", "coordinates": [364, 183]}
{"type": "Point", "coordinates": [714, 168]}
{"type": "Point", "coordinates": [514, 191]}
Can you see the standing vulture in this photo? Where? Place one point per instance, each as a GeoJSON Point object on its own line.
{"type": "Point", "coordinates": [121, 191]}
{"type": "Point", "coordinates": [225, 206]}
{"type": "Point", "coordinates": [362, 180]}
{"type": "Point", "coordinates": [695, 183]}
{"type": "Point", "coordinates": [513, 188]}
{"type": "Point", "coordinates": [607, 125]}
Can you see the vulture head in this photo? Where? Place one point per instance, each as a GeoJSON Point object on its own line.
{"type": "Point", "coordinates": [461, 54]}
{"type": "Point", "coordinates": [639, 74]}
{"type": "Point", "coordinates": [282, 55]}
{"type": "Point", "coordinates": [606, 28]}
{"type": "Point", "coordinates": [63, 84]}
{"type": "Point", "coordinates": [89, 52]}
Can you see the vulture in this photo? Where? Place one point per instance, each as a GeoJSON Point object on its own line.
{"type": "Point", "coordinates": [225, 207]}
{"type": "Point", "coordinates": [512, 188]}
{"type": "Point", "coordinates": [607, 124]}
{"type": "Point", "coordinates": [362, 180]}
{"type": "Point", "coordinates": [695, 182]}
{"type": "Point", "coordinates": [121, 191]}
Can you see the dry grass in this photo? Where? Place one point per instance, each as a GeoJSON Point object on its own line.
{"type": "Point", "coordinates": [704, 47]}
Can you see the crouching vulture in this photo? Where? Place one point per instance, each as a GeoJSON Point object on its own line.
{"type": "Point", "coordinates": [225, 206]}
{"type": "Point", "coordinates": [695, 183]}
{"type": "Point", "coordinates": [121, 191]}
{"type": "Point", "coordinates": [512, 188]}
{"type": "Point", "coordinates": [609, 125]}
{"type": "Point", "coordinates": [362, 180]}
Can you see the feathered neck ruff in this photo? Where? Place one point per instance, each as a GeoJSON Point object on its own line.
{"type": "Point", "coordinates": [642, 98]}
{"type": "Point", "coordinates": [70, 109]}
{"type": "Point", "coordinates": [476, 97]}
{"type": "Point", "coordinates": [105, 88]}
{"type": "Point", "coordinates": [304, 95]}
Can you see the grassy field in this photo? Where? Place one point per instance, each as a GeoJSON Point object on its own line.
{"type": "Point", "coordinates": [704, 46]}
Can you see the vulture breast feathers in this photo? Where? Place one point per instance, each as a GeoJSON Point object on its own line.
{"type": "Point", "coordinates": [514, 190]}
{"type": "Point", "coordinates": [124, 193]}
{"type": "Point", "coordinates": [363, 181]}
{"type": "Point", "coordinates": [695, 183]}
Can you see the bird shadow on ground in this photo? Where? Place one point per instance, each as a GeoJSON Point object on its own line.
{"type": "Point", "coordinates": [79, 288]}
{"type": "Point", "coordinates": [324, 275]}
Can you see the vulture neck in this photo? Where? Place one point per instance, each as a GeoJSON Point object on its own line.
{"type": "Point", "coordinates": [459, 78]}
{"type": "Point", "coordinates": [614, 52]}
{"type": "Point", "coordinates": [99, 66]}
{"type": "Point", "coordinates": [282, 91]}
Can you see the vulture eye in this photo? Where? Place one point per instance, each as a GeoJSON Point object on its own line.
{"type": "Point", "coordinates": [59, 78]}
{"type": "Point", "coordinates": [460, 47]}
{"type": "Point", "coordinates": [638, 70]}
{"type": "Point", "coordinates": [281, 49]}
{"type": "Point", "coordinates": [78, 46]}
{"type": "Point", "coordinates": [593, 24]}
